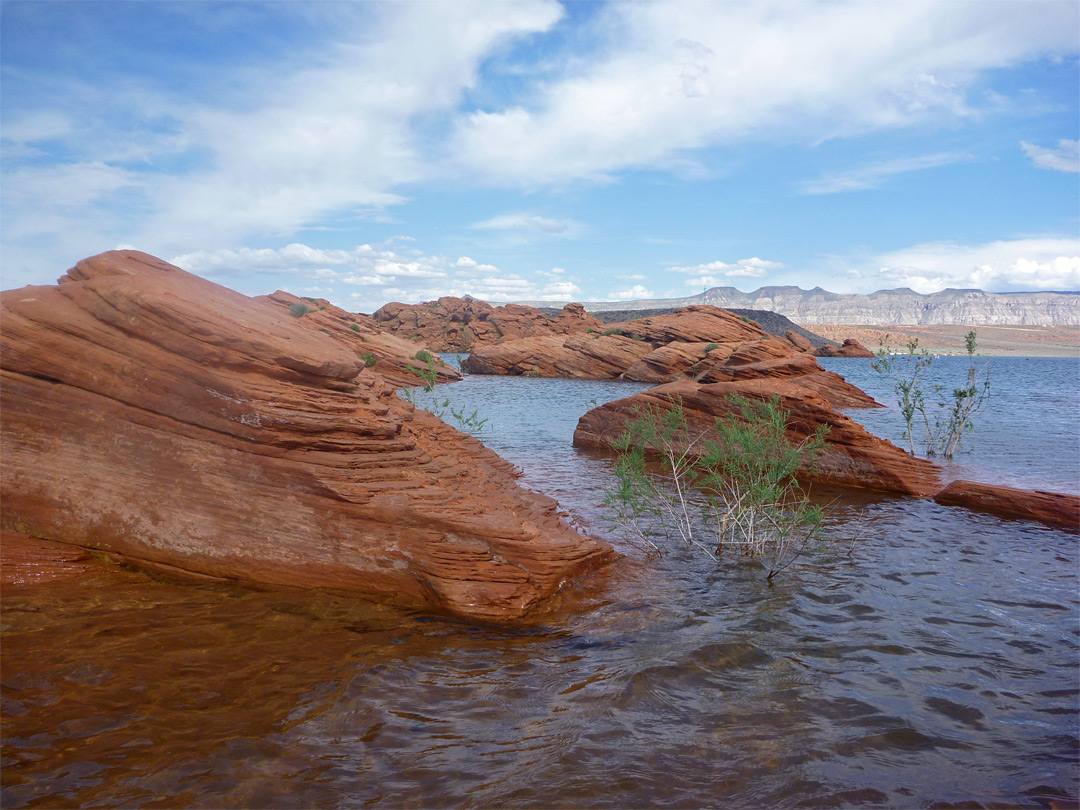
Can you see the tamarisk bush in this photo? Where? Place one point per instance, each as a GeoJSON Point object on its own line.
{"type": "Point", "coordinates": [729, 490]}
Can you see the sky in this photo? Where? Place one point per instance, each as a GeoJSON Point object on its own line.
{"type": "Point", "coordinates": [535, 150]}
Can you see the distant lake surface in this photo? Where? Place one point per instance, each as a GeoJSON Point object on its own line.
{"type": "Point", "coordinates": [931, 657]}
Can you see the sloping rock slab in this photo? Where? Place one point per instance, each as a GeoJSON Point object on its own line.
{"type": "Point", "coordinates": [585, 357]}
{"type": "Point", "coordinates": [388, 355]}
{"type": "Point", "coordinates": [850, 348]}
{"type": "Point", "coordinates": [1052, 508]}
{"type": "Point", "coordinates": [166, 420]}
{"type": "Point", "coordinates": [853, 458]}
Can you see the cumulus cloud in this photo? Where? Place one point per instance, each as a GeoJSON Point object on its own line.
{"type": "Point", "coordinates": [272, 149]}
{"type": "Point", "coordinates": [367, 276]}
{"type": "Point", "coordinates": [686, 75]}
{"type": "Point", "coordinates": [1065, 158]}
{"type": "Point", "coordinates": [1006, 265]}
{"type": "Point", "coordinates": [635, 292]}
{"type": "Point", "coordinates": [713, 273]}
{"type": "Point", "coordinates": [873, 176]}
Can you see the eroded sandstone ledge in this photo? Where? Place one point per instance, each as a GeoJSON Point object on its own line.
{"type": "Point", "coordinates": [157, 416]}
{"type": "Point", "coordinates": [852, 458]}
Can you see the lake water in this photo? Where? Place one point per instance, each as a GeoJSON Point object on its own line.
{"type": "Point", "coordinates": [930, 659]}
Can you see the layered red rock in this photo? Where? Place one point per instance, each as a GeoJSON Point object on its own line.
{"type": "Point", "coordinates": [1052, 508]}
{"type": "Point", "coordinates": [849, 348]}
{"type": "Point", "coordinates": [461, 324]}
{"type": "Point", "coordinates": [800, 343]}
{"type": "Point", "coordinates": [654, 349]}
{"type": "Point", "coordinates": [853, 457]}
{"type": "Point", "coordinates": [166, 420]}
{"type": "Point", "coordinates": [587, 357]}
{"type": "Point", "coordinates": [392, 357]}
{"type": "Point", "coordinates": [699, 343]}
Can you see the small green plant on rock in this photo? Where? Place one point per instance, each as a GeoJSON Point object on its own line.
{"type": "Point", "coordinates": [731, 489]}
{"type": "Point", "coordinates": [711, 347]}
{"type": "Point", "coordinates": [369, 359]}
{"type": "Point", "coordinates": [355, 327]}
{"type": "Point", "coordinates": [298, 309]}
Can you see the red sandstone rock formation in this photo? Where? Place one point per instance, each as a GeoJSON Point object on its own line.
{"type": "Point", "coordinates": [388, 355]}
{"type": "Point", "coordinates": [850, 348]}
{"type": "Point", "coordinates": [1051, 508]}
{"type": "Point", "coordinates": [699, 343]}
{"type": "Point", "coordinates": [800, 343]}
{"type": "Point", "coordinates": [854, 457]}
{"type": "Point", "coordinates": [462, 324]}
{"type": "Point", "coordinates": [655, 349]}
{"type": "Point", "coordinates": [166, 420]}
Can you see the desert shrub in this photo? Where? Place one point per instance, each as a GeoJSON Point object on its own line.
{"type": "Point", "coordinates": [732, 489]}
{"type": "Point", "coordinates": [298, 309]}
{"type": "Point", "coordinates": [369, 359]}
{"type": "Point", "coordinates": [951, 414]}
{"type": "Point", "coordinates": [423, 356]}
{"type": "Point", "coordinates": [355, 327]}
{"type": "Point", "coordinates": [711, 346]}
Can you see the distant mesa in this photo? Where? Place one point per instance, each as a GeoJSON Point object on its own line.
{"type": "Point", "coordinates": [882, 308]}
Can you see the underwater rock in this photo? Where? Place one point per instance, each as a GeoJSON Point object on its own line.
{"type": "Point", "coordinates": [853, 457]}
{"type": "Point", "coordinates": [1052, 508]}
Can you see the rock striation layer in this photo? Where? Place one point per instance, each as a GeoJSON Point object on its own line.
{"type": "Point", "coordinates": [462, 324]}
{"type": "Point", "coordinates": [166, 420]}
{"type": "Point", "coordinates": [853, 457]}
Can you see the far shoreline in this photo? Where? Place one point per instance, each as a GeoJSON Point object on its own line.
{"type": "Point", "coordinates": [993, 341]}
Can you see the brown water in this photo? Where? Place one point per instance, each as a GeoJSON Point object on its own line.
{"type": "Point", "coordinates": [934, 661]}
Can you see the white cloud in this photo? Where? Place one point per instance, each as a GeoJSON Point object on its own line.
{"type": "Point", "coordinates": [707, 275]}
{"type": "Point", "coordinates": [529, 223]}
{"type": "Point", "coordinates": [270, 149]}
{"type": "Point", "coordinates": [1006, 265]}
{"type": "Point", "coordinates": [1066, 158]}
{"type": "Point", "coordinates": [561, 290]}
{"type": "Point", "coordinates": [873, 176]}
{"type": "Point", "coordinates": [380, 273]}
{"type": "Point", "coordinates": [680, 76]}
{"type": "Point", "coordinates": [635, 292]}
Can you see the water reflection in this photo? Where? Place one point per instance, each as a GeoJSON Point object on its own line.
{"type": "Point", "coordinates": [933, 660]}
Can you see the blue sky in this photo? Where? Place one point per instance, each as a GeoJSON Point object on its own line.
{"type": "Point", "coordinates": [369, 152]}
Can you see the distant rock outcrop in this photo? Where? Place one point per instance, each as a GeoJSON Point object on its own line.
{"type": "Point", "coordinates": [463, 324]}
{"type": "Point", "coordinates": [850, 348]}
{"type": "Point", "coordinates": [691, 333]}
{"type": "Point", "coordinates": [162, 419]}
{"type": "Point", "coordinates": [698, 343]}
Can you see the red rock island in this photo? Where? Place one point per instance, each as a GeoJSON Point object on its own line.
{"type": "Point", "coordinates": [169, 421]}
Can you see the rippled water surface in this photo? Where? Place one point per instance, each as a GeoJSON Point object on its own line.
{"type": "Point", "coordinates": [932, 661]}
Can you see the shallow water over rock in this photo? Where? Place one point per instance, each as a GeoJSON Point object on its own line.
{"type": "Point", "coordinates": [930, 658]}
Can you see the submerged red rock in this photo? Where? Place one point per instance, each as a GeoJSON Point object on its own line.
{"type": "Point", "coordinates": [166, 420]}
{"type": "Point", "coordinates": [853, 458]}
{"type": "Point", "coordinates": [1052, 508]}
